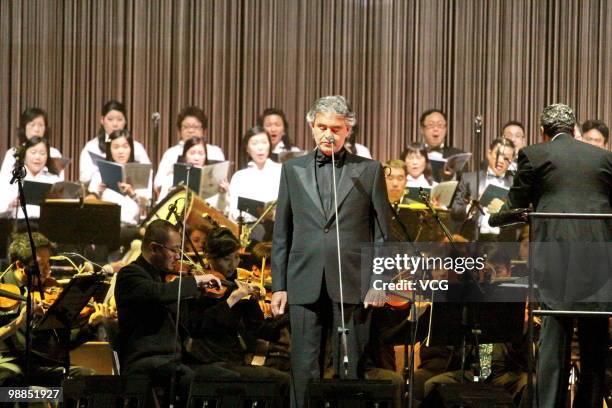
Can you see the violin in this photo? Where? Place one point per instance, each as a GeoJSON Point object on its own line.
{"type": "Point", "coordinates": [258, 292]}
{"type": "Point", "coordinates": [10, 297]}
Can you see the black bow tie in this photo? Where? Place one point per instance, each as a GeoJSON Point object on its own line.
{"type": "Point", "coordinates": [438, 149]}
{"type": "Point", "coordinates": [323, 159]}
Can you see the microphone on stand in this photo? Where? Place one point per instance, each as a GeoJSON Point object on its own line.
{"type": "Point", "coordinates": [478, 123]}
{"type": "Point", "coordinates": [155, 117]}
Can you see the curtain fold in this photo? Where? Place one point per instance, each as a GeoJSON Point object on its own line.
{"type": "Point", "coordinates": [393, 59]}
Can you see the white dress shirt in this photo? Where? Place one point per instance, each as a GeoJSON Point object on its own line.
{"type": "Point", "coordinates": [10, 192]}
{"type": "Point", "coordinates": [256, 184]}
{"type": "Point", "coordinates": [130, 207]}
{"type": "Point", "coordinates": [87, 167]}
{"type": "Point", "coordinates": [171, 156]}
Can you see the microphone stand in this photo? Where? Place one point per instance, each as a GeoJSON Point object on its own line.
{"type": "Point", "coordinates": [477, 138]}
{"type": "Point", "coordinates": [409, 357]}
{"type": "Point", "coordinates": [175, 359]}
{"type": "Point", "coordinates": [342, 330]}
{"type": "Point", "coordinates": [19, 174]}
{"type": "Point", "coordinates": [155, 119]}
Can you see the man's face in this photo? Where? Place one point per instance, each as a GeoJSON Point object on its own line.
{"type": "Point", "coordinates": [434, 129]}
{"type": "Point", "coordinates": [595, 138]}
{"type": "Point", "coordinates": [516, 134]}
{"type": "Point", "coordinates": [330, 124]}
{"type": "Point", "coordinates": [499, 159]}
{"type": "Point", "coordinates": [165, 254]}
{"type": "Point", "coordinates": [190, 127]}
{"type": "Point", "coordinates": [396, 182]}
{"type": "Point", "coordinates": [43, 257]}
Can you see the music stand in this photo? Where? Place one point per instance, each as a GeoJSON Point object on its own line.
{"type": "Point", "coordinates": [63, 315]}
{"type": "Point", "coordinates": [90, 223]}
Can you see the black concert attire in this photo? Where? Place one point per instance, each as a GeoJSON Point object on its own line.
{"type": "Point", "coordinates": [567, 176]}
{"type": "Point", "coordinates": [146, 309]}
{"type": "Point", "coordinates": [48, 351]}
{"type": "Point", "coordinates": [305, 258]}
{"type": "Point", "coordinates": [230, 335]}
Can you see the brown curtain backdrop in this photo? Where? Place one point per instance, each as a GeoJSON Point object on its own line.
{"type": "Point", "coordinates": [504, 59]}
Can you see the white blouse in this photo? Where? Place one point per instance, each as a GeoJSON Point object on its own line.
{"type": "Point", "coordinates": [420, 181]}
{"type": "Point", "coordinates": [256, 184]}
{"type": "Point", "coordinates": [11, 191]}
{"type": "Point", "coordinates": [280, 148]}
{"type": "Point", "coordinates": [87, 167]}
{"type": "Point", "coordinates": [171, 156]}
{"type": "Point", "coordinates": [130, 207]}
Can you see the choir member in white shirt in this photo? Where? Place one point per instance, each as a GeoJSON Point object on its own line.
{"type": "Point", "coordinates": [191, 122]}
{"type": "Point", "coordinates": [418, 166]}
{"type": "Point", "coordinates": [274, 122]}
{"type": "Point", "coordinates": [113, 118]}
{"type": "Point", "coordinates": [194, 153]}
{"type": "Point", "coordinates": [32, 122]}
{"type": "Point", "coordinates": [261, 179]}
{"type": "Point", "coordinates": [39, 167]}
{"type": "Point", "coordinates": [120, 149]}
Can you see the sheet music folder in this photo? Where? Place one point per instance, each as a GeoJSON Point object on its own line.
{"type": "Point", "coordinates": [64, 313]}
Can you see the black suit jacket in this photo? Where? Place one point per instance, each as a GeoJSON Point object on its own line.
{"type": "Point", "coordinates": [304, 244]}
{"type": "Point", "coordinates": [573, 263]}
{"type": "Point", "coordinates": [467, 188]}
{"type": "Point", "coordinates": [145, 308]}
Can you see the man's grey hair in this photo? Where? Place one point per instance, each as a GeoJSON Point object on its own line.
{"type": "Point", "coordinates": [335, 104]}
{"type": "Point", "coordinates": [557, 118]}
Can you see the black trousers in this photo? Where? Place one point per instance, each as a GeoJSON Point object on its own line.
{"type": "Point", "coordinates": [554, 361]}
{"type": "Point", "coordinates": [161, 368]}
{"type": "Point", "coordinates": [311, 327]}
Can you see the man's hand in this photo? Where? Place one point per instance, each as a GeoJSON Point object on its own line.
{"type": "Point", "coordinates": [375, 298]}
{"type": "Point", "coordinates": [279, 302]}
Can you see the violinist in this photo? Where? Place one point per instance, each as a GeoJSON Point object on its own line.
{"type": "Point", "coordinates": [48, 354]}
{"type": "Point", "coordinates": [146, 305]}
{"type": "Point", "coordinates": [230, 324]}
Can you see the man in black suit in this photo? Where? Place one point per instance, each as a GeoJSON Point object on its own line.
{"type": "Point", "coordinates": [572, 257]}
{"type": "Point", "coordinates": [499, 157]}
{"type": "Point", "coordinates": [304, 252]}
{"type": "Point", "coordinates": [146, 306]}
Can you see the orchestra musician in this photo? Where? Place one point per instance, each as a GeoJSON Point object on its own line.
{"type": "Point", "coordinates": [146, 305]}
{"type": "Point", "coordinates": [191, 122]}
{"type": "Point", "coordinates": [395, 177]}
{"type": "Point", "coordinates": [230, 323]}
{"type": "Point", "coordinates": [48, 353]}
{"type": "Point", "coordinates": [32, 122]}
{"type": "Point", "coordinates": [114, 117]}
{"type": "Point", "coordinates": [572, 277]}
{"type": "Point", "coordinates": [304, 251]}
{"type": "Point", "coordinates": [36, 156]}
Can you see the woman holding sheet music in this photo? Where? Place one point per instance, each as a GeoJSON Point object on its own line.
{"type": "Point", "coordinates": [120, 149]}
{"type": "Point", "coordinates": [32, 122]}
{"type": "Point", "coordinates": [194, 153]}
{"type": "Point", "coordinates": [260, 180]}
{"type": "Point", "coordinates": [113, 118]}
{"type": "Point", "coordinates": [418, 166]}
{"type": "Point", "coordinates": [39, 167]}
